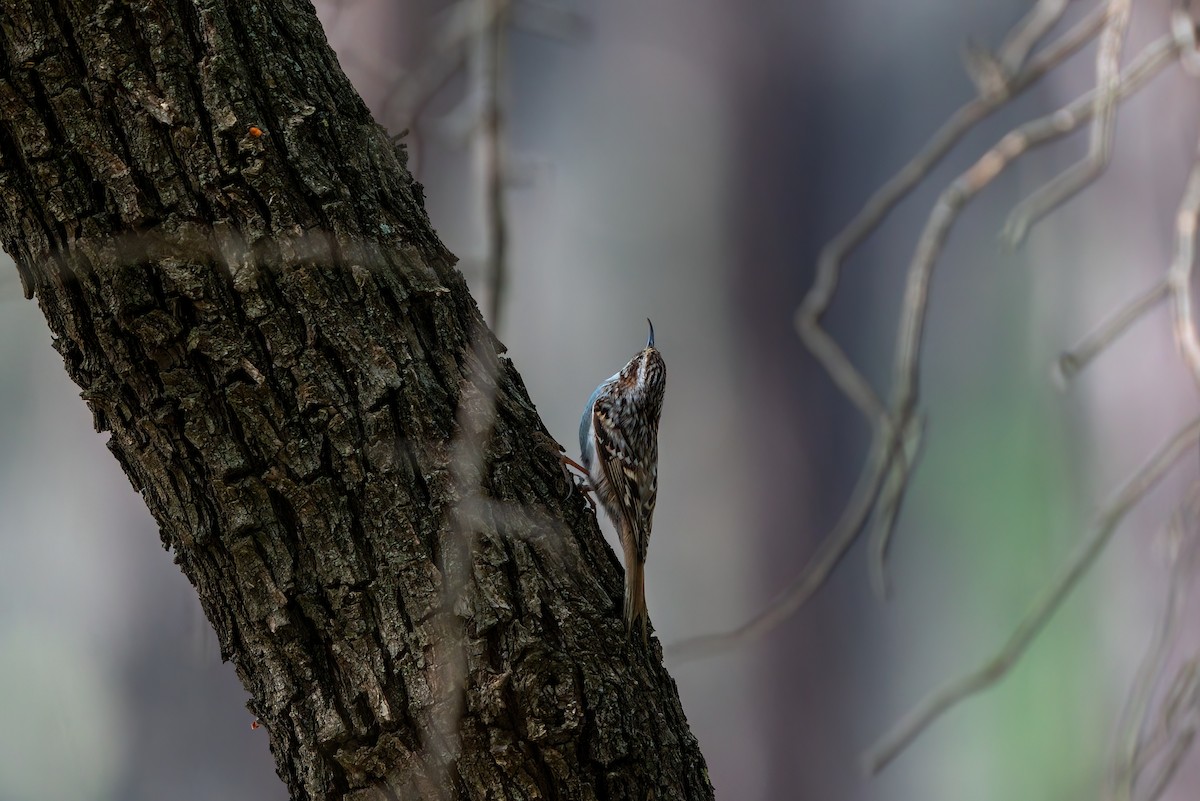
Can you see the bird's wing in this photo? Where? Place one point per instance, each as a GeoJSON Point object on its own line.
{"type": "Point", "coordinates": [626, 476]}
{"type": "Point", "coordinates": [585, 424]}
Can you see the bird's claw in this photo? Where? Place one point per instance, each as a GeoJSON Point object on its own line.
{"type": "Point", "coordinates": [581, 485]}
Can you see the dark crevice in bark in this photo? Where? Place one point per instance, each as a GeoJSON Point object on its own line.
{"type": "Point", "coordinates": [66, 37]}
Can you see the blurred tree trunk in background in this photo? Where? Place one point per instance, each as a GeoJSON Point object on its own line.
{"type": "Point", "coordinates": [239, 274]}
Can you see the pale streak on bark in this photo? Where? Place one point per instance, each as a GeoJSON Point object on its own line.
{"type": "Point", "coordinates": [475, 416]}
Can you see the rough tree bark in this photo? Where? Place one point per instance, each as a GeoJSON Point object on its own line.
{"type": "Point", "coordinates": [239, 274]}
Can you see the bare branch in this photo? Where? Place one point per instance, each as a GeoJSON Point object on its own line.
{"type": "Point", "coordinates": [831, 356]}
{"type": "Point", "coordinates": [890, 428]}
{"type": "Point", "coordinates": [551, 20]}
{"type": "Point", "coordinates": [990, 71]}
{"type": "Point", "coordinates": [1183, 27]}
{"type": "Point", "coordinates": [1179, 277]}
{"type": "Point", "coordinates": [464, 21]}
{"type": "Point", "coordinates": [1072, 362]}
{"type": "Point", "coordinates": [890, 500]}
{"type": "Point", "coordinates": [997, 666]}
{"type": "Point", "coordinates": [1068, 184]}
{"type": "Point", "coordinates": [815, 572]}
{"type": "Point", "coordinates": [1029, 31]}
{"type": "Point", "coordinates": [945, 213]}
{"type": "Point", "coordinates": [1176, 729]}
{"type": "Point", "coordinates": [896, 432]}
{"type": "Point", "coordinates": [474, 35]}
{"type": "Point", "coordinates": [1149, 63]}
{"type": "Point", "coordinates": [834, 254]}
{"type": "Point", "coordinates": [1130, 751]}
{"type": "Point", "coordinates": [1179, 748]}
{"type": "Point", "coordinates": [835, 361]}
{"type": "Point", "coordinates": [491, 46]}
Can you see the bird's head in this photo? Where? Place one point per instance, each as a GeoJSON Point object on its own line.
{"type": "Point", "coordinates": [646, 372]}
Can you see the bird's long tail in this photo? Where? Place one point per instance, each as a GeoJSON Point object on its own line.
{"type": "Point", "coordinates": [635, 588]}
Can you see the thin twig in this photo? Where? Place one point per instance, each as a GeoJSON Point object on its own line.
{"type": "Point", "coordinates": [837, 364]}
{"type": "Point", "coordinates": [890, 500]}
{"type": "Point", "coordinates": [906, 362]}
{"type": "Point", "coordinates": [1176, 729]}
{"type": "Point", "coordinates": [1180, 694]}
{"type": "Point", "coordinates": [1148, 64]}
{"type": "Point", "coordinates": [1137, 753]}
{"type": "Point", "coordinates": [1072, 362]}
{"type": "Point", "coordinates": [491, 43]}
{"type": "Point", "coordinates": [1132, 722]}
{"type": "Point", "coordinates": [998, 665]}
{"type": "Point", "coordinates": [1084, 172]}
{"type": "Point", "coordinates": [886, 433]}
{"type": "Point", "coordinates": [990, 71]}
{"type": "Point", "coordinates": [1182, 744]}
{"type": "Point", "coordinates": [551, 20]}
{"type": "Point", "coordinates": [834, 254]}
{"type": "Point", "coordinates": [1029, 31]}
{"type": "Point", "coordinates": [1179, 277]}
{"type": "Point", "coordinates": [474, 35]}
{"type": "Point", "coordinates": [1183, 26]}
{"type": "Point", "coordinates": [815, 572]}
{"type": "Point", "coordinates": [464, 22]}
{"type": "Point", "coordinates": [945, 212]}
{"type": "Point", "coordinates": [445, 58]}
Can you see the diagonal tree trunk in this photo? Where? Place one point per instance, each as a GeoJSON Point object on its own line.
{"type": "Point", "coordinates": [239, 274]}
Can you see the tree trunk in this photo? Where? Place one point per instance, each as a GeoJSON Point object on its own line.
{"type": "Point", "coordinates": [239, 274]}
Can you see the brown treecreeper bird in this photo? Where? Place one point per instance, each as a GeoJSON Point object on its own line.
{"type": "Point", "coordinates": [618, 438]}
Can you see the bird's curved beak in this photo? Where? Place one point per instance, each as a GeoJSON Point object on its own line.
{"type": "Point", "coordinates": [650, 341]}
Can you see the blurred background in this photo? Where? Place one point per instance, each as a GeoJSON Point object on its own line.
{"type": "Point", "coordinates": [685, 160]}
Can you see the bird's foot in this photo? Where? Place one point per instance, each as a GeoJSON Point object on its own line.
{"type": "Point", "coordinates": [581, 485]}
